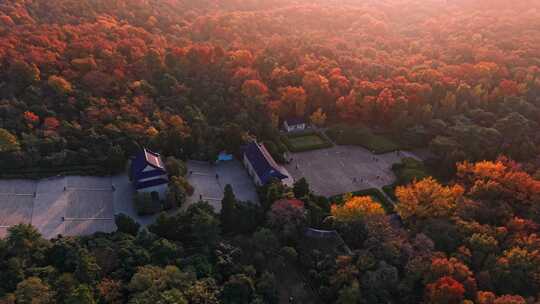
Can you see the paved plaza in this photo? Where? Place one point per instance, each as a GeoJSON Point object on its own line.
{"type": "Point", "coordinates": [73, 205]}
{"type": "Point", "coordinates": [76, 205]}
{"type": "Point", "coordinates": [83, 205]}
{"type": "Point", "coordinates": [64, 205]}
{"type": "Point", "coordinates": [343, 169]}
{"type": "Point", "coordinates": [210, 180]}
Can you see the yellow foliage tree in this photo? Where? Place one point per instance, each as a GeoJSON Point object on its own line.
{"type": "Point", "coordinates": [59, 84]}
{"type": "Point", "coordinates": [318, 118]}
{"type": "Point", "coordinates": [8, 141]}
{"type": "Point", "coordinates": [356, 208]}
{"type": "Point", "coordinates": [427, 199]}
{"type": "Point", "coordinates": [485, 170]}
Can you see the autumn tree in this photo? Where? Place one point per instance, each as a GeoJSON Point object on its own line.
{"type": "Point", "coordinates": [318, 90]}
{"type": "Point", "coordinates": [427, 199]}
{"type": "Point", "coordinates": [8, 141]}
{"type": "Point", "coordinates": [455, 269]}
{"type": "Point", "coordinates": [357, 208]}
{"type": "Point", "coordinates": [51, 123]}
{"type": "Point", "coordinates": [318, 118]}
{"type": "Point", "coordinates": [31, 118]}
{"type": "Point", "coordinates": [59, 85]}
{"type": "Point", "coordinates": [81, 295]}
{"type": "Point", "coordinates": [355, 218]}
{"type": "Point", "coordinates": [24, 73]}
{"type": "Point", "coordinates": [293, 101]}
{"type": "Point", "coordinates": [515, 270]}
{"type": "Point", "coordinates": [446, 290]}
{"type": "Point", "coordinates": [33, 291]}
{"type": "Point", "coordinates": [254, 89]}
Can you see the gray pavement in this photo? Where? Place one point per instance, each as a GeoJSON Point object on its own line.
{"type": "Point", "coordinates": [82, 205]}
{"type": "Point", "coordinates": [343, 169]}
{"type": "Point", "coordinates": [203, 179]}
{"type": "Point", "coordinates": [123, 200]}
{"type": "Point", "coordinates": [72, 205]}
{"type": "Point", "coordinates": [76, 205]}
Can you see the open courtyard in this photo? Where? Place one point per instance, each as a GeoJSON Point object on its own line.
{"type": "Point", "coordinates": [66, 205]}
{"type": "Point", "coordinates": [343, 169]}
{"type": "Point", "coordinates": [210, 180]}
{"type": "Point", "coordinates": [72, 205]}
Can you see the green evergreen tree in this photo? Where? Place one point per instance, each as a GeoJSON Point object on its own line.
{"type": "Point", "coordinates": [301, 188]}
{"type": "Point", "coordinates": [228, 206]}
{"type": "Point", "coordinates": [126, 224]}
{"type": "Point", "coordinates": [116, 159]}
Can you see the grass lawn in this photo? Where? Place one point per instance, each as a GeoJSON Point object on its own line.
{"type": "Point", "coordinates": [301, 142]}
{"type": "Point", "coordinates": [379, 144]}
{"type": "Point", "coordinates": [362, 136]}
{"type": "Point", "coordinates": [306, 141]}
{"type": "Point", "coordinates": [406, 172]}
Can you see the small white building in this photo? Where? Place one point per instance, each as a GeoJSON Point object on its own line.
{"type": "Point", "coordinates": [295, 124]}
{"type": "Point", "coordinates": [148, 173]}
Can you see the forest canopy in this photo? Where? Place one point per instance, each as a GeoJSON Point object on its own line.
{"type": "Point", "coordinates": [461, 77]}
{"type": "Point", "coordinates": [84, 84]}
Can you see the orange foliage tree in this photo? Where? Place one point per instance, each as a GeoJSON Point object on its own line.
{"type": "Point", "coordinates": [427, 199]}
{"type": "Point", "coordinates": [357, 208]}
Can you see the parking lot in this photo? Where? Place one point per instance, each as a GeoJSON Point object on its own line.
{"type": "Point", "coordinates": [210, 180]}
{"type": "Point", "coordinates": [343, 169]}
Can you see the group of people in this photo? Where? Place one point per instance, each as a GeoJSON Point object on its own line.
{"type": "Point", "coordinates": [362, 180]}
{"type": "Point", "coordinates": [356, 180]}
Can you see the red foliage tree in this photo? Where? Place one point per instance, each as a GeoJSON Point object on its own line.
{"type": "Point", "coordinates": [31, 118]}
{"type": "Point", "coordinates": [51, 123]}
{"type": "Point", "coordinates": [445, 290]}
{"type": "Point", "coordinates": [254, 88]}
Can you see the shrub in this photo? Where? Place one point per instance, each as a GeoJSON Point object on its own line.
{"type": "Point", "coordinates": [126, 224]}
{"type": "Point", "coordinates": [275, 151]}
{"type": "Point", "coordinates": [145, 204]}
{"type": "Point", "coordinates": [175, 167]}
{"type": "Point", "coordinates": [361, 136]}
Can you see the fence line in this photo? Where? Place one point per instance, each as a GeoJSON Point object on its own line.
{"type": "Point", "coordinates": [89, 189]}
{"type": "Point", "coordinates": [88, 219]}
{"type": "Point", "coordinates": [18, 194]}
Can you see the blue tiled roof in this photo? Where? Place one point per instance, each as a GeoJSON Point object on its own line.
{"type": "Point", "coordinates": [148, 174]}
{"type": "Point", "coordinates": [146, 158]}
{"type": "Point", "coordinates": [151, 183]}
{"type": "Point", "coordinates": [138, 164]}
{"type": "Point", "coordinates": [265, 167]}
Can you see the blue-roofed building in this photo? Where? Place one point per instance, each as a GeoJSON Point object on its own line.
{"type": "Point", "coordinates": [260, 164]}
{"type": "Point", "coordinates": [148, 173]}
